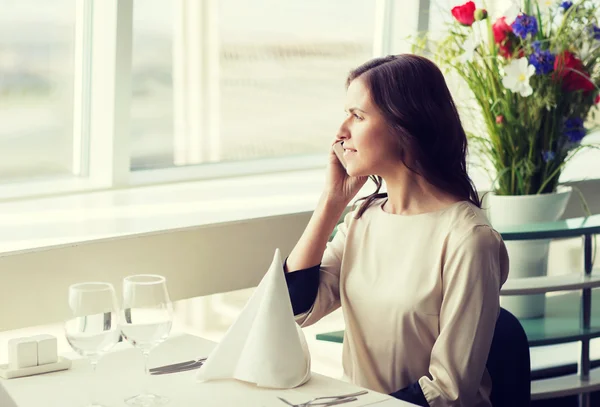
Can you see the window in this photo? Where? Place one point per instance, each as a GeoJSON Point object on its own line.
{"type": "Point", "coordinates": [231, 80]}
{"type": "Point", "coordinates": [283, 68]}
{"type": "Point", "coordinates": [151, 126]}
{"type": "Point", "coordinates": [36, 88]}
{"type": "Point", "coordinates": [112, 93]}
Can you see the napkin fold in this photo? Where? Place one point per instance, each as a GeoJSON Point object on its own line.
{"type": "Point", "coordinates": [264, 345]}
{"type": "Point", "coordinates": [5, 399]}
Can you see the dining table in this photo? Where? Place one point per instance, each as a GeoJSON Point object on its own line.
{"type": "Point", "coordinates": [120, 375]}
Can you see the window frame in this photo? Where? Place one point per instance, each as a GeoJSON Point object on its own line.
{"type": "Point", "coordinates": [110, 93]}
{"type": "Point", "coordinates": [101, 100]}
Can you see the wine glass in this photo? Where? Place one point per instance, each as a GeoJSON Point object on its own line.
{"type": "Point", "coordinates": [146, 319]}
{"type": "Point", "coordinates": [93, 327]}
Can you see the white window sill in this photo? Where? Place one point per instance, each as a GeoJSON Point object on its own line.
{"type": "Point", "coordinates": [42, 223]}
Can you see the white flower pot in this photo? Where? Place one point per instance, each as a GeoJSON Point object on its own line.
{"type": "Point", "coordinates": [527, 258]}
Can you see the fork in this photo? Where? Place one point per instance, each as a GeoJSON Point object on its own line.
{"type": "Point", "coordinates": [332, 403]}
{"type": "Point", "coordinates": [334, 399]}
{"type": "Point", "coordinates": [323, 404]}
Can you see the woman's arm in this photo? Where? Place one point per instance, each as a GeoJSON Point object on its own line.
{"type": "Point", "coordinates": [313, 249]}
{"type": "Point", "coordinates": [303, 286]}
{"type": "Point", "coordinates": [314, 289]}
{"type": "Point", "coordinates": [311, 246]}
{"type": "Point", "coordinates": [472, 275]}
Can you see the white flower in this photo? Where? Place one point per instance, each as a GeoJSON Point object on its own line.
{"type": "Point", "coordinates": [469, 46]}
{"type": "Point", "coordinates": [512, 12]}
{"type": "Point", "coordinates": [557, 21]}
{"type": "Point", "coordinates": [480, 29]}
{"type": "Point", "coordinates": [548, 11]}
{"type": "Point", "coordinates": [517, 76]}
{"type": "Point", "coordinates": [546, 5]}
{"type": "Point", "coordinates": [478, 36]}
{"type": "Point", "coordinates": [588, 47]}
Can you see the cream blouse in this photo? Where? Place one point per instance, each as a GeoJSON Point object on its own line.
{"type": "Point", "coordinates": [420, 299]}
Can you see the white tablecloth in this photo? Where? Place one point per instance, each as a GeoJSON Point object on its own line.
{"type": "Point", "coordinates": [120, 375]}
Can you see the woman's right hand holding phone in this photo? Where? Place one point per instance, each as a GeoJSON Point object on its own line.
{"type": "Point", "coordinates": [339, 186]}
{"type": "Point", "coordinates": [339, 190]}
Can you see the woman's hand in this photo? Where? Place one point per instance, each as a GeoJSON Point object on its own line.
{"type": "Point", "coordinates": [339, 186]}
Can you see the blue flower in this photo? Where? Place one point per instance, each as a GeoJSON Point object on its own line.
{"type": "Point", "coordinates": [548, 156]}
{"type": "Point", "coordinates": [543, 62]}
{"type": "Point", "coordinates": [537, 46]}
{"type": "Point", "coordinates": [596, 31]}
{"type": "Point", "coordinates": [566, 5]}
{"type": "Point", "coordinates": [524, 25]}
{"type": "Point", "coordinates": [574, 130]}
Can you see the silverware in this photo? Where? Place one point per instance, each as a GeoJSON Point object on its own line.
{"type": "Point", "coordinates": [178, 370]}
{"type": "Point", "coordinates": [333, 400]}
{"type": "Point", "coordinates": [327, 404]}
{"type": "Point", "coordinates": [286, 402]}
{"type": "Point", "coordinates": [332, 403]}
{"type": "Point", "coordinates": [177, 365]}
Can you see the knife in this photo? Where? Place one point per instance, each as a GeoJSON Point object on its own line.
{"type": "Point", "coordinates": [193, 366]}
{"type": "Point", "coordinates": [177, 365]}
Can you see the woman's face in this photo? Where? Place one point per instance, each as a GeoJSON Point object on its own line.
{"type": "Point", "coordinates": [367, 140]}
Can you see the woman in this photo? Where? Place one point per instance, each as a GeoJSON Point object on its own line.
{"type": "Point", "coordinates": [417, 270]}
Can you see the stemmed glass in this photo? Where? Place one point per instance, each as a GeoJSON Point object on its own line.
{"type": "Point", "coordinates": [93, 327]}
{"type": "Point", "coordinates": [146, 319]}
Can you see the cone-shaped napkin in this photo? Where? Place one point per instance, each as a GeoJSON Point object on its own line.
{"type": "Point", "coordinates": [5, 399]}
{"type": "Point", "coordinates": [264, 346]}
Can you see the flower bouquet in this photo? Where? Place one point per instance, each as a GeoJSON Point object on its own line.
{"type": "Point", "coordinates": [535, 73]}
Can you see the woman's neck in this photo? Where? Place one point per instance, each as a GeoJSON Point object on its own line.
{"type": "Point", "coordinates": [410, 194]}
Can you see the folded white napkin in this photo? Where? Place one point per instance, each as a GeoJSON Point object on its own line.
{"type": "Point", "coordinates": [264, 345]}
{"type": "Point", "coordinates": [5, 399]}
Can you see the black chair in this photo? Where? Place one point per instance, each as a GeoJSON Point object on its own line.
{"type": "Point", "coordinates": [508, 363]}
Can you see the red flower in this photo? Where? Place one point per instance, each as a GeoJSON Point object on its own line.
{"type": "Point", "coordinates": [505, 51]}
{"type": "Point", "coordinates": [499, 119]}
{"type": "Point", "coordinates": [501, 30]}
{"type": "Point", "coordinates": [465, 14]}
{"type": "Point", "coordinates": [502, 33]}
{"type": "Point", "coordinates": [569, 69]}
{"type": "Point", "coordinates": [597, 100]}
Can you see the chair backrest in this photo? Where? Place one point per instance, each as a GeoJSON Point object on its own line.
{"type": "Point", "coordinates": [508, 363]}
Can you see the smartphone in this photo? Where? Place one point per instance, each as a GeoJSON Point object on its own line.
{"type": "Point", "coordinates": [338, 149]}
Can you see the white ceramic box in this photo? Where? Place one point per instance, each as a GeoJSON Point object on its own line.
{"type": "Point", "coordinates": [47, 349]}
{"type": "Point", "coordinates": [22, 352]}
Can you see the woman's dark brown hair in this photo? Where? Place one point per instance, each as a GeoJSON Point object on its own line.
{"type": "Point", "coordinates": [411, 93]}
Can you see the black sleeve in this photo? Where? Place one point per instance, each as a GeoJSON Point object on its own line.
{"type": "Point", "coordinates": [412, 394]}
{"type": "Point", "coordinates": [303, 286]}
